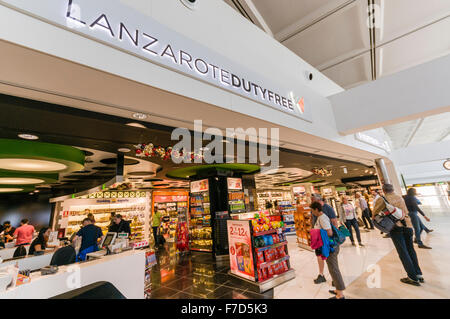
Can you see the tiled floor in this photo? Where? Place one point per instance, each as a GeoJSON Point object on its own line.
{"type": "Point", "coordinates": [195, 276]}
{"type": "Point", "coordinates": [199, 276]}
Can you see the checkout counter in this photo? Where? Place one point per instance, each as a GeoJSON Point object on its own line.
{"type": "Point", "coordinates": [124, 268]}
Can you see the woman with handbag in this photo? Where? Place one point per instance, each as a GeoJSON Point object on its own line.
{"type": "Point", "coordinates": [401, 233]}
{"type": "Point", "coordinates": [349, 218]}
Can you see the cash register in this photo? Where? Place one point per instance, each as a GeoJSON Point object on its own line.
{"type": "Point", "coordinates": [105, 245]}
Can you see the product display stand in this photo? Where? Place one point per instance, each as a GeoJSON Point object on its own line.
{"type": "Point", "coordinates": [258, 253]}
{"type": "Point", "coordinates": [200, 227]}
{"type": "Point", "coordinates": [303, 225]}
{"type": "Point", "coordinates": [287, 210]}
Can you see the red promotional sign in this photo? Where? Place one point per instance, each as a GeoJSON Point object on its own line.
{"type": "Point", "coordinates": [199, 186]}
{"type": "Point", "coordinates": [170, 199]}
{"type": "Point", "coordinates": [234, 183]}
{"type": "Point", "coordinates": [240, 243]}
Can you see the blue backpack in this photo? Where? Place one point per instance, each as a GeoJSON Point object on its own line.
{"type": "Point", "coordinates": [338, 236]}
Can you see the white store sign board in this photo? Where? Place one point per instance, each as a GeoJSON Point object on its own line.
{"type": "Point", "coordinates": [122, 27]}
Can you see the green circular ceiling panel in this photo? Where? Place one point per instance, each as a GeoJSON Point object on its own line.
{"type": "Point", "coordinates": [187, 172]}
{"type": "Point", "coordinates": [26, 178]}
{"type": "Point", "coordinates": [37, 157]}
{"type": "Point", "coordinates": [16, 188]}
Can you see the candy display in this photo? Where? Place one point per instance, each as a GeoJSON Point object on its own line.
{"type": "Point", "coordinates": [303, 225]}
{"type": "Point", "coordinates": [172, 205]}
{"type": "Point", "coordinates": [200, 230]}
{"type": "Point", "coordinates": [236, 201]}
{"type": "Point", "coordinates": [262, 223]}
{"type": "Point", "coordinates": [286, 210]}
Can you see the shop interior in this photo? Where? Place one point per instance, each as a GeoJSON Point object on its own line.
{"type": "Point", "coordinates": [114, 165]}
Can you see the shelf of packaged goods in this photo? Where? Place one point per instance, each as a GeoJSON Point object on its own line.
{"type": "Point", "coordinates": [270, 231]}
{"type": "Point", "coordinates": [201, 249]}
{"type": "Point", "coordinates": [273, 262]}
{"type": "Point", "coordinates": [274, 277]}
{"type": "Point", "coordinates": [200, 216]}
{"type": "Point", "coordinates": [272, 246]}
{"type": "Point", "coordinates": [200, 226]}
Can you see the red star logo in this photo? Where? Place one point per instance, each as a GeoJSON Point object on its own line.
{"type": "Point", "coordinates": [301, 105]}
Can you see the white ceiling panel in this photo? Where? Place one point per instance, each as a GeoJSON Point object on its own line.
{"type": "Point", "coordinates": [287, 16]}
{"type": "Point", "coordinates": [352, 72]}
{"type": "Point", "coordinates": [333, 35]}
{"type": "Point", "coordinates": [401, 133]}
{"type": "Point", "coordinates": [336, 38]}
{"type": "Point", "coordinates": [416, 48]}
{"type": "Point", "coordinates": [399, 17]}
{"type": "Point", "coordinates": [433, 129]}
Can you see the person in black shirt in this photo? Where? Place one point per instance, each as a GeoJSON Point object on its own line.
{"type": "Point", "coordinates": [40, 242]}
{"type": "Point", "coordinates": [121, 225]}
{"type": "Point", "coordinates": [8, 232]}
{"type": "Point", "coordinates": [414, 209]}
{"type": "Point", "coordinates": [90, 237]}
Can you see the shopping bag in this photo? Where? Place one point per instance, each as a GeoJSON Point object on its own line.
{"type": "Point", "coordinates": [344, 231]}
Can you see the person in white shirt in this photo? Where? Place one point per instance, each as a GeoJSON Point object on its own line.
{"type": "Point", "coordinates": [323, 222]}
{"type": "Point", "coordinates": [349, 218]}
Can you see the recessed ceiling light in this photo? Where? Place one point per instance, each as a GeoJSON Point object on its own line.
{"type": "Point", "coordinates": [10, 190]}
{"type": "Point", "coordinates": [139, 125]}
{"type": "Point", "coordinates": [28, 136]}
{"type": "Point", "coordinates": [36, 191]}
{"type": "Point", "coordinates": [140, 116]}
{"type": "Point", "coordinates": [124, 150]}
{"type": "Point", "coordinates": [32, 193]}
{"type": "Point", "coordinates": [30, 165]}
{"type": "Point", "coordinates": [20, 181]}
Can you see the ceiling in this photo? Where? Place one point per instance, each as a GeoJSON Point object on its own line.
{"type": "Point", "coordinates": [334, 37]}
{"type": "Point", "coordinates": [100, 136]}
{"type": "Point", "coordinates": [431, 129]}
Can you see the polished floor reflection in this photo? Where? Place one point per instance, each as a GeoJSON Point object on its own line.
{"type": "Point", "coordinates": [360, 267]}
{"type": "Point", "coordinates": [195, 276]}
{"type": "Point", "coordinates": [198, 276]}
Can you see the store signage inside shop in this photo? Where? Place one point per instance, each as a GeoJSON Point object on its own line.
{"type": "Point", "coordinates": [120, 26]}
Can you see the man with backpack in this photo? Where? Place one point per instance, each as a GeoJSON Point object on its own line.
{"type": "Point", "coordinates": [401, 234]}
{"type": "Point", "coordinates": [323, 222]}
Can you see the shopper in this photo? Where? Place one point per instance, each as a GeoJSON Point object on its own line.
{"type": "Point", "coordinates": [401, 235]}
{"type": "Point", "coordinates": [112, 225]}
{"type": "Point", "coordinates": [8, 232]}
{"type": "Point", "coordinates": [330, 213]}
{"type": "Point", "coordinates": [90, 238]}
{"type": "Point", "coordinates": [123, 226]}
{"type": "Point", "coordinates": [362, 204]}
{"type": "Point", "coordinates": [323, 222]}
{"type": "Point", "coordinates": [413, 210]}
{"type": "Point", "coordinates": [156, 223]}
{"type": "Point", "coordinates": [24, 233]}
{"type": "Point", "coordinates": [350, 219]}
{"type": "Point", "coordinates": [40, 242]}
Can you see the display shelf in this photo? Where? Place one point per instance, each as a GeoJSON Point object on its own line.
{"type": "Point", "coordinates": [271, 246]}
{"type": "Point", "coordinates": [268, 232]}
{"type": "Point", "coordinates": [273, 262]}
